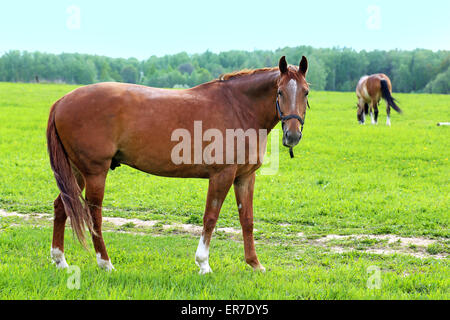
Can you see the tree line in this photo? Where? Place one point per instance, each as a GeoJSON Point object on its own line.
{"type": "Point", "coordinates": [333, 69]}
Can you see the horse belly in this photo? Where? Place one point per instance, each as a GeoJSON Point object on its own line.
{"type": "Point", "coordinates": [149, 147]}
{"type": "Point", "coordinates": [160, 165]}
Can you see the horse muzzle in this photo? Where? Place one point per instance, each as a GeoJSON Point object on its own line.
{"type": "Point", "coordinates": [291, 139]}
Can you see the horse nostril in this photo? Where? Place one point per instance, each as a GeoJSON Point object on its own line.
{"type": "Point", "coordinates": [295, 135]}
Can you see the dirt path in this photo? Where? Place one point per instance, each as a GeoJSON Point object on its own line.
{"type": "Point", "coordinates": [376, 244]}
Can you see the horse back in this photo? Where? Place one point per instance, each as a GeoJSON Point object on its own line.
{"type": "Point", "coordinates": [372, 86]}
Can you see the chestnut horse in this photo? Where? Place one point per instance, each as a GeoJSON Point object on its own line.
{"type": "Point", "coordinates": [99, 127]}
{"type": "Point", "coordinates": [370, 90]}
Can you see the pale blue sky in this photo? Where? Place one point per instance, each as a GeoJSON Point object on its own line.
{"type": "Point", "coordinates": [144, 28]}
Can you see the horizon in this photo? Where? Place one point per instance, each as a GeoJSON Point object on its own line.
{"type": "Point", "coordinates": [140, 29]}
{"type": "Point", "coordinates": [207, 50]}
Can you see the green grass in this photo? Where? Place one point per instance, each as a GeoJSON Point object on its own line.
{"type": "Point", "coordinates": [345, 179]}
{"type": "Point", "coordinates": [437, 248]}
{"type": "Point", "coordinates": [162, 268]}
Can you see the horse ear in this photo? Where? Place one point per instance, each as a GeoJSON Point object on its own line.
{"type": "Point", "coordinates": [303, 67]}
{"type": "Point", "coordinates": [283, 65]}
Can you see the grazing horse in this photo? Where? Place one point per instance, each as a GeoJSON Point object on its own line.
{"type": "Point", "coordinates": [99, 127]}
{"type": "Point", "coordinates": [370, 90]}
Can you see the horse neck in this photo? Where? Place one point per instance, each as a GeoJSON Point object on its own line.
{"type": "Point", "coordinates": [257, 94]}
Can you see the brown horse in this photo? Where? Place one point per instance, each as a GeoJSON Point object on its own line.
{"type": "Point", "coordinates": [98, 127]}
{"type": "Point", "coordinates": [370, 90]}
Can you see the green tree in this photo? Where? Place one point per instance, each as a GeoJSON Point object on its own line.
{"type": "Point", "coordinates": [129, 74]}
{"type": "Point", "coordinates": [317, 74]}
{"type": "Point", "coordinates": [105, 70]}
{"type": "Point", "coordinates": [441, 84]}
{"type": "Point", "coordinates": [329, 69]}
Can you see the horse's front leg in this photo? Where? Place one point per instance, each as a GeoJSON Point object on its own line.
{"type": "Point", "coordinates": [360, 112]}
{"type": "Point", "coordinates": [219, 185]}
{"type": "Point", "coordinates": [243, 188]}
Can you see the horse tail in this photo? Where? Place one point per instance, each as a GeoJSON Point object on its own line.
{"type": "Point", "coordinates": [74, 204]}
{"type": "Point", "coordinates": [386, 94]}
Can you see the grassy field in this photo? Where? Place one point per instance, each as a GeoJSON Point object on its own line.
{"type": "Point", "coordinates": [360, 181]}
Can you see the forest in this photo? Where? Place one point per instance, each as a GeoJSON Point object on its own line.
{"type": "Point", "coordinates": [332, 69]}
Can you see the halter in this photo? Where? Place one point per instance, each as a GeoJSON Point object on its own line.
{"type": "Point", "coordinates": [288, 117]}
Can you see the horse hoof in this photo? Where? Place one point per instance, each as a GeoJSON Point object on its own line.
{"type": "Point", "coordinates": [259, 268]}
{"type": "Point", "coordinates": [202, 262]}
{"type": "Point", "coordinates": [108, 268]}
{"type": "Point", "coordinates": [205, 270]}
{"type": "Point", "coordinates": [62, 265]}
{"type": "Point", "coordinates": [104, 264]}
{"type": "Point", "coordinates": [58, 258]}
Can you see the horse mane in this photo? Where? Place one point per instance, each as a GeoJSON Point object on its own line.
{"type": "Point", "coordinates": [244, 72]}
{"type": "Point", "coordinates": [249, 72]}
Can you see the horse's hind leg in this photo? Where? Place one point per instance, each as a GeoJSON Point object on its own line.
{"type": "Point", "coordinates": [59, 224]}
{"type": "Point", "coordinates": [95, 188]}
{"type": "Point", "coordinates": [374, 108]}
{"type": "Point", "coordinates": [376, 114]}
{"type": "Point", "coordinates": [388, 112]}
{"type": "Point", "coordinates": [243, 189]}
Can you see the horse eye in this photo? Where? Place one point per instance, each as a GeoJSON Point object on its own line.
{"type": "Point", "coordinates": [280, 93]}
{"type": "Point", "coordinates": [306, 93]}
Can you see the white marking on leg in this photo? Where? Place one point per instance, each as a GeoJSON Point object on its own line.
{"type": "Point", "coordinates": [104, 264]}
{"type": "Point", "coordinates": [259, 268]}
{"type": "Point", "coordinates": [372, 118]}
{"type": "Point", "coordinates": [388, 121]}
{"type": "Point", "coordinates": [202, 256]}
{"type": "Point", "coordinates": [58, 258]}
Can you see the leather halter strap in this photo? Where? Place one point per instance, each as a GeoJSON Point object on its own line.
{"type": "Point", "coordinates": [284, 118]}
{"type": "Point", "coordinates": [288, 117]}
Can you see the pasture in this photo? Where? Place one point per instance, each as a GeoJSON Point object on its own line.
{"type": "Point", "coordinates": [354, 199]}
